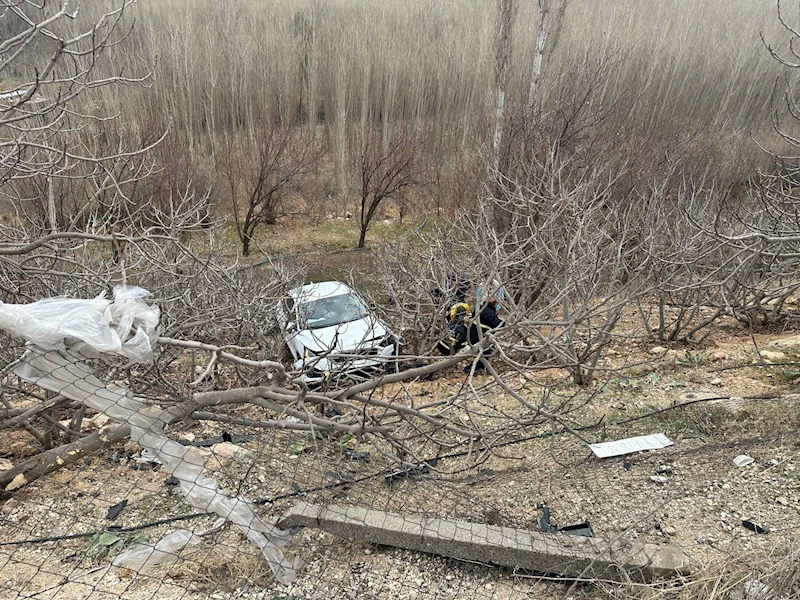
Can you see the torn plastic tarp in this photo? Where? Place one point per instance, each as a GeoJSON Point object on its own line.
{"type": "Point", "coordinates": [165, 551]}
{"type": "Point", "coordinates": [127, 325]}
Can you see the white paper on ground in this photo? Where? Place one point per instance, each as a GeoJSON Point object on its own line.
{"type": "Point", "coordinates": [653, 441]}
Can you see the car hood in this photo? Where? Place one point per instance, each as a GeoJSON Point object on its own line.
{"type": "Point", "coordinates": [345, 337]}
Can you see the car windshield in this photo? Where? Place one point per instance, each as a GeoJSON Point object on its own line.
{"type": "Point", "coordinates": [332, 311]}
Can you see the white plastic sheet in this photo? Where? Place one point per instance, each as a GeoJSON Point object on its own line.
{"type": "Point", "coordinates": [165, 551]}
{"type": "Point", "coordinates": [127, 325]}
{"type": "Point", "coordinates": [640, 443]}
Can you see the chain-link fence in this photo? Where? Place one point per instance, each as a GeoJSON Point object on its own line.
{"type": "Point", "coordinates": [255, 493]}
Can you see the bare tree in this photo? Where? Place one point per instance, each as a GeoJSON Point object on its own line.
{"type": "Point", "coordinates": [54, 64]}
{"type": "Point", "coordinates": [389, 169]}
{"type": "Point", "coordinates": [265, 171]}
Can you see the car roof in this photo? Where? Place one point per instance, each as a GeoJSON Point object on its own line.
{"type": "Point", "coordinates": [323, 289]}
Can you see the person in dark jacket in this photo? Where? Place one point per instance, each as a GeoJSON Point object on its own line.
{"type": "Point", "coordinates": [457, 330]}
{"type": "Point", "coordinates": [455, 291]}
{"type": "Point", "coordinates": [487, 320]}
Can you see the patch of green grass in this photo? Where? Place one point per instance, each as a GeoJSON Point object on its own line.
{"type": "Point", "coordinates": [789, 375]}
{"type": "Point", "coordinates": [690, 359]}
{"type": "Point", "coordinates": [107, 543]}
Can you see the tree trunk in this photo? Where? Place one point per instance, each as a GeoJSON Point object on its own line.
{"type": "Point", "coordinates": [247, 237]}
{"type": "Point", "coordinates": [536, 72]}
{"type": "Point", "coordinates": [503, 53]}
{"type": "Point", "coordinates": [363, 235]}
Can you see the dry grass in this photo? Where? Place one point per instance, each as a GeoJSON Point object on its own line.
{"type": "Point", "coordinates": [763, 575]}
{"type": "Point", "coordinates": [224, 566]}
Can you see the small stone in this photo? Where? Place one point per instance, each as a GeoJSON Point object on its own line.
{"type": "Point", "coordinates": [660, 479]}
{"type": "Point", "coordinates": [228, 450]}
{"type": "Point", "coordinates": [717, 381]}
{"type": "Point", "coordinates": [717, 356]}
{"type": "Point", "coordinates": [657, 350]}
{"type": "Point", "coordinates": [9, 506]}
{"type": "Point", "coordinates": [772, 355]}
{"type": "Point", "coordinates": [783, 500]}
{"type": "Point", "coordinates": [669, 530]}
{"type": "Point", "coordinates": [790, 342]}
{"type": "Point", "coordinates": [5, 464]}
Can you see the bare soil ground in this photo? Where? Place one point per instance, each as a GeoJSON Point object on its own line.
{"type": "Point", "coordinates": [698, 505]}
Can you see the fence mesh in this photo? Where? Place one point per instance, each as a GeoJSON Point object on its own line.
{"type": "Point", "coordinates": [146, 498]}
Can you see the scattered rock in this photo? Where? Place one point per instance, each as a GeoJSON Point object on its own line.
{"type": "Point", "coordinates": [716, 381]}
{"type": "Point", "coordinates": [772, 355]}
{"type": "Point", "coordinates": [669, 530]}
{"type": "Point", "coordinates": [698, 377]}
{"type": "Point", "coordinates": [5, 464]}
{"type": "Point", "coordinates": [232, 451]}
{"type": "Point", "coordinates": [788, 343]}
{"type": "Point", "coordinates": [717, 356]}
{"type": "Point", "coordinates": [9, 507]}
{"type": "Point", "coordinates": [660, 479]}
{"type": "Point", "coordinates": [658, 350]}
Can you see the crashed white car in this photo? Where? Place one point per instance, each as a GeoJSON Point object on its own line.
{"type": "Point", "coordinates": [331, 333]}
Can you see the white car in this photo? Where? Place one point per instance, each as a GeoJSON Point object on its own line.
{"type": "Point", "coordinates": [331, 332]}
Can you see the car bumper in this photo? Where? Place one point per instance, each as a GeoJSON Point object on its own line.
{"type": "Point", "coordinates": [351, 367]}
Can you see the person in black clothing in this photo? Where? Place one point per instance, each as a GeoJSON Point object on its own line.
{"type": "Point", "coordinates": [460, 285]}
{"type": "Point", "coordinates": [487, 320]}
{"type": "Point", "coordinates": [455, 291]}
{"type": "Point", "coordinates": [457, 330]}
